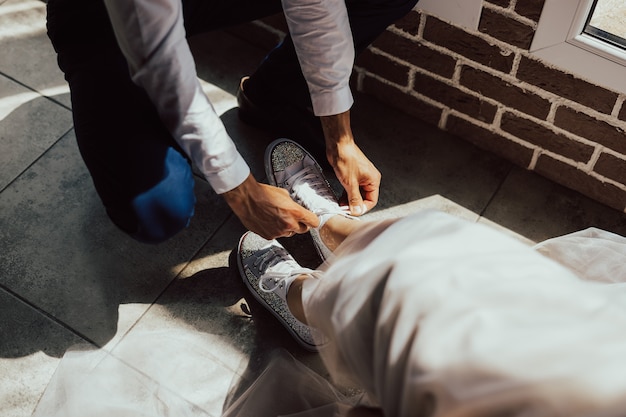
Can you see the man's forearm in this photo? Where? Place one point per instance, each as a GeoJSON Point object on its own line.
{"type": "Point", "coordinates": [337, 129]}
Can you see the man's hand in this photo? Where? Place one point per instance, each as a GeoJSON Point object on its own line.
{"type": "Point", "coordinates": [269, 211]}
{"type": "Point", "coordinates": [355, 172]}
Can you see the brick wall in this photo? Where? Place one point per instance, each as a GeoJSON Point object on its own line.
{"type": "Point", "coordinates": [484, 86]}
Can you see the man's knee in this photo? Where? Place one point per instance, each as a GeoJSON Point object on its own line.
{"type": "Point", "coordinates": [160, 215]}
{"type": "Point", "coordinates": [165, 209]}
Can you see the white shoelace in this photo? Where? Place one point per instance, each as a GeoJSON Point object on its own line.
{"type": "Point", "coordinates": [283, 270]}
{"type": "Point", "coordinates": [312, 191]}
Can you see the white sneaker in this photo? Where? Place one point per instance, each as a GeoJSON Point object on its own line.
{"type": "Point", "coordinates": [291, 167]}
{"type": "Point", "coordinates": [268, 270]}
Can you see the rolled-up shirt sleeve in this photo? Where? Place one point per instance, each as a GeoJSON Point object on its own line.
{"type": "Point", "coordinates": [321, 34]}
{"type": "Point", "coordinates": [152, 37]}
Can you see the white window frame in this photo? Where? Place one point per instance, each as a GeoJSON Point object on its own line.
{"type": "Point", "coordinates": [464, 13]}
{"type": "Point", "coordinates": [560, 40]}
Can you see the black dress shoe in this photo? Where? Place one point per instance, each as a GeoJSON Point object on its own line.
{"type": "Point", "coordinates": [286, 121]}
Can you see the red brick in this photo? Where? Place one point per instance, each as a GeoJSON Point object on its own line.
{"type": "Point", "coordinates": [622, 113]}
{"type": "Point", "coordinates": [566, 85]}
{"type": "Point", "coordinates": [611, 167]}
{"type": "Point", "coordinates": [416, 54]}
{"type": "Point", "coordinates": [545, 138]}
{"type": "Point", "coordinates": [402, 101]}
{"type": "Point", "coordinates": [580, 181]}
{"type": "Point", "coordinates": [490, 141]}
{"type": "Point", "coordinates": [504, 92]}
{"type": "Point", "coordinates": [506, 29]}
{"type": "Point", "coordinates": [410, 23]}
{"type": "Point", "coordinates": [384, 67]}
{"type": "Point", "coordinates": [470, 46]}
{"type": "Point", "coordinates": [454, 98]}
{"type": "Point", "coordinates": [530, 8]}
{"type": "Point", "coordinates": [583, 125]}
{"type": "Point", "coordinates": [501, 3]}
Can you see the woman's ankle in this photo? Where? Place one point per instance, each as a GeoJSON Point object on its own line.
{"type": "Point", "coordinates": [294, 298]}
{"type": "Point", "coordinates": [336, 229]}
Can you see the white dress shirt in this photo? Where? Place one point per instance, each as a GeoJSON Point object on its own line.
{"type": "Point", "coordinates": [151, 35]}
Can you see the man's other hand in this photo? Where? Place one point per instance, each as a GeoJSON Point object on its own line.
{"type": "Point", "coordinates": [356, 173]}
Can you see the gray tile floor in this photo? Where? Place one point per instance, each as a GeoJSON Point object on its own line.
{"type": "Point", "coordinates": [69, 277]}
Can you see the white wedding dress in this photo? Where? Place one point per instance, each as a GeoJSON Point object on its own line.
{"type": "Point", "coordinates": [431, 315]}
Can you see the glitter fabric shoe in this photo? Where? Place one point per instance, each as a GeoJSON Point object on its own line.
{"type": "Point", "coordinates": [291, 167]}
{"type": "Point", "coordinates": [268, 270]}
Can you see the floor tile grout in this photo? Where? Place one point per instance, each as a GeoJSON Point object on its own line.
{"type": "Point", "coordinates": [36, 160]}
{"type": "Point", "coordinates": [42, 312]}
{"type": "Point", "coordinates": [495, 193]}
{"type": "Point", "coordinates": [34, 90]}
{"type": "Point", "coordinates": [169, 285]}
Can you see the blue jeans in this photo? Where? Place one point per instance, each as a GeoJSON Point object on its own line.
{"type": "Point", "coordinates": [141, 175]}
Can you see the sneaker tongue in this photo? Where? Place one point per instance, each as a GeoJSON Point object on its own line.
{"type": "Point", "coordinates": [294, 169]}
{"type": "Point", "coordinates": [285, 267]}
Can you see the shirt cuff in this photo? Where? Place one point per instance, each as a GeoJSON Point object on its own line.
{"type": "Point", "coordinates": [231, 177]}
{"type": "Point", "coordinates": [332, 102]}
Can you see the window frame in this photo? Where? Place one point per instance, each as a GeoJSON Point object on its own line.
{"type": "Point", "coordinates": [463, 13]}
{"type": "Point", "coordinates": [560, 40]}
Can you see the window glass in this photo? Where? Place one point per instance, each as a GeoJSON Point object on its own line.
{"type": "Point", "coordinates": [607, 21]}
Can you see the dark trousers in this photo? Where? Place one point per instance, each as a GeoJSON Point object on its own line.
{"type": "Point", "coordinates": [143, 178]}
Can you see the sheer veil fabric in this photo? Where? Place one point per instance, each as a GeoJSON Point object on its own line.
{"type": "Point", "coordinates": [429, 315]}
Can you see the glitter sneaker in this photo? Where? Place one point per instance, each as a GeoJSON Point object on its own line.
{"type": "Point", "coordinates": [291, 167]}
{"type": "Point", "coordinates": [268, 270]}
